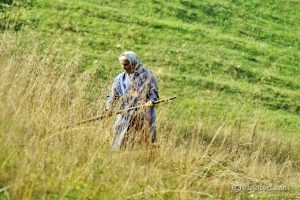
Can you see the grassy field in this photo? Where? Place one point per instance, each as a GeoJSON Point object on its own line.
{"type": "Point", "coordinates": [233, 65]}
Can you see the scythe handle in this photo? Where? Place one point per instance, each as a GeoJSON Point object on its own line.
{"type": "Point", "coordinates": [102, 116]}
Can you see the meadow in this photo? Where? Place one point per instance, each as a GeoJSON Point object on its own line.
{"type": "Point", "coordinates": [231, 133]}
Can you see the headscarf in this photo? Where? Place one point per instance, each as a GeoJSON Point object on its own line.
{"type": "Point", "coordinates": [134, 61]}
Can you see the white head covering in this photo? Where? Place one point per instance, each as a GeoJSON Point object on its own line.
{"type": "Point", "coordinates": [134, 61]}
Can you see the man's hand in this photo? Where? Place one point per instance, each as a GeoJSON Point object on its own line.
{"type": "Point", "coordinates": [108, 111]}
{"type": "Point", "coordinates": [149, 104]}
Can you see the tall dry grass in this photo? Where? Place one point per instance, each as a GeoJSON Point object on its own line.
{"type": "Point", "coordinates": [41, 93]}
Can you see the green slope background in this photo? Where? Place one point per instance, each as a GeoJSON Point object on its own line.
{"type": "Point", "coordinates": [226, 61]}
{"type": "Point", "coordinates": [222, 54]}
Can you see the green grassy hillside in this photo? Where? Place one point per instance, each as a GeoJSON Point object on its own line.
{"type": "Point", "coordinates": [233, 65]}
{"type": "Point", "coordinates": [236, 51]}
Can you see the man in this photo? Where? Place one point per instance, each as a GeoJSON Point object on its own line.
{"type": "Point", "coordinates": [137, 86]}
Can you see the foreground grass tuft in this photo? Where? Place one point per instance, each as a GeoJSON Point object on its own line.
{"type": "Point", "coordinates": [41, 93]}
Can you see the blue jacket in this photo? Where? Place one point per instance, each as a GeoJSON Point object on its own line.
{"type": "Point", "coordinates": [136, 91]}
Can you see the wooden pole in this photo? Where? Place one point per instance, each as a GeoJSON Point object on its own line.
{"type": "Point", "coordinates": [119, 112]}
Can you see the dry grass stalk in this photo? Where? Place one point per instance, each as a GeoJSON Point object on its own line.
{"type": "Point", "coordinates": [40, 94]}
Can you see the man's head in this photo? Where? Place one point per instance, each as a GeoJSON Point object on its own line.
{"type": "Point", "coordinates": [125, 65]}
{"type": "Point", "coordinates": [130, 62]}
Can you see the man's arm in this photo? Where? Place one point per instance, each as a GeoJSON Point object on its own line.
{"type": "Point", "coordinates": [113, 97]}
{"type": "Point", "coordinates": [153, 91]}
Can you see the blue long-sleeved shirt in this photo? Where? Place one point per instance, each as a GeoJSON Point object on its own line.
{"type": "Point", "coordinates": [143, 88]}
{"type": "Point", "coordinates": [136, 91]}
